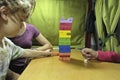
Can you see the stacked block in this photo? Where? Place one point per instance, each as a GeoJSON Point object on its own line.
{"type": "Point", "coordinates": [65, 39]}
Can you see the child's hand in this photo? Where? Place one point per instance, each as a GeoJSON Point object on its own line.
{"type": "Point", "coordinates": [55, 54]}
{"type": "Point", "coordinates": [47, 53]}
{"type": "Point", "coordinates": [48, 50]}
{"type": "Point", "coordinates": [89, 53]}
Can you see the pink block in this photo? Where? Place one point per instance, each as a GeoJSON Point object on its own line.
{"type": "Point", "coordinates": [65, 26]}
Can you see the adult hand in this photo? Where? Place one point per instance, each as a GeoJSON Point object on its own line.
{"type": "Point", "coordinates": [89, 53]}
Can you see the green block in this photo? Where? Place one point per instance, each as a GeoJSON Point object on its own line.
{"type": "Point", "coordinates": [64, 41]}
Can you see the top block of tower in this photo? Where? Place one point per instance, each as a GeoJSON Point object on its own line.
{"type": "Point", "coordinates": [66, 24]}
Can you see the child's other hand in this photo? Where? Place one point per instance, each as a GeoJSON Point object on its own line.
{"type": "Point", "coordinates": [89, 53]}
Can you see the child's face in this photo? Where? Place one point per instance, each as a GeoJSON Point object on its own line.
{"type": "Point", "coordinates": [14, 24]}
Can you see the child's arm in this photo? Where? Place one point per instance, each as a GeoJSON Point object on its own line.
{"type": "Point", "coordinates": [35, 53]}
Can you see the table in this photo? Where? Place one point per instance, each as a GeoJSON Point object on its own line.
{"type": "Point", "coordinates": [51, 68]}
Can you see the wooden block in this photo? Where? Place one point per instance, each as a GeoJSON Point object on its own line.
{"type": "Point", "coordinates": [64, 54]}
{"type": "Point", "coordinates": [65, 26]}
{"type": "Point", "coordinates": [64, 58]}
{"type": "Point", "coordinates": [64, 34]}
{"type": "Point", "coordinates": [64, 49]}
{"type": "Point", "coordinates": [64, 41]}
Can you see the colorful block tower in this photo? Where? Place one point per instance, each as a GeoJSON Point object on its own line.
{"type": "Point", "coordinates": [65, 39]}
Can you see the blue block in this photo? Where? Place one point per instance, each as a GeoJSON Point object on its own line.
{"type": "Point", "coordinates": [64, 49]}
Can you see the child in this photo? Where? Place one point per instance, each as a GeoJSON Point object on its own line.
{"type": "Point", "coordinates": [101, 55]}
{"type": "Point", "coordinates": [12, 14]}
{"type": "Point", "coordinates": [24, 39]}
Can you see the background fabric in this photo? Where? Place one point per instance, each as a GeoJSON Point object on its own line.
{"type": "Point", "coordinates": [107, 16]}
{"type": "Point", "coordinates": [47, 14]}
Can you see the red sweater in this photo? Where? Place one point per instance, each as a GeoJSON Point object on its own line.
{"type": "Point", "coordinates": [108, 56]}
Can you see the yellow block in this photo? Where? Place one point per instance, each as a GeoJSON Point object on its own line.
{"type": "Point", "coordinates": [64, 34]}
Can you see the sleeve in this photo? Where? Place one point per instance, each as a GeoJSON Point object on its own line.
{"type": "Point", "coordinates": [108, 56]}
{"type": "Point", "coordinates": [17, 51]}
{"type": "Point", "coordinates": [35, 31]}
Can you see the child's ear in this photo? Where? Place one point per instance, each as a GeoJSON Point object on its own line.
{"type": "Point", "coordinates": [4, 12]}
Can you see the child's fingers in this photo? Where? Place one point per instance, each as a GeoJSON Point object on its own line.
{"type": "Point", "coordinates": [55, 53]}
{"type": "Point", "coordinates": [48, 50]}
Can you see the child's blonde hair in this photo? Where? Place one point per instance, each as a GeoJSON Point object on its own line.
{"type": "Point", "coordinates": [27, 6]}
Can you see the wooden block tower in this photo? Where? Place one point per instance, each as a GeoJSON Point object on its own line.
{"type": "Point", "coordinates": [65, 39]}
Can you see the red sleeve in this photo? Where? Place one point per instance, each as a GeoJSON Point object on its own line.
{"type": "Point", "coordinates": [108, 56]}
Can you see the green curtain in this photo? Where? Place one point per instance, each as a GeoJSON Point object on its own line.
{"type": "Point", "coordinates": [47, 14]}
{"type": "Point", "coordinates": [107, 16]}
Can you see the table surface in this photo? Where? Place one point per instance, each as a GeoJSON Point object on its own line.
{"type": "Point", "coordinates": [51, 68]}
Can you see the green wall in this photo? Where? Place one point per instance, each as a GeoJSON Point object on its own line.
{"type": "Point", "coordinates": [47, 14]}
